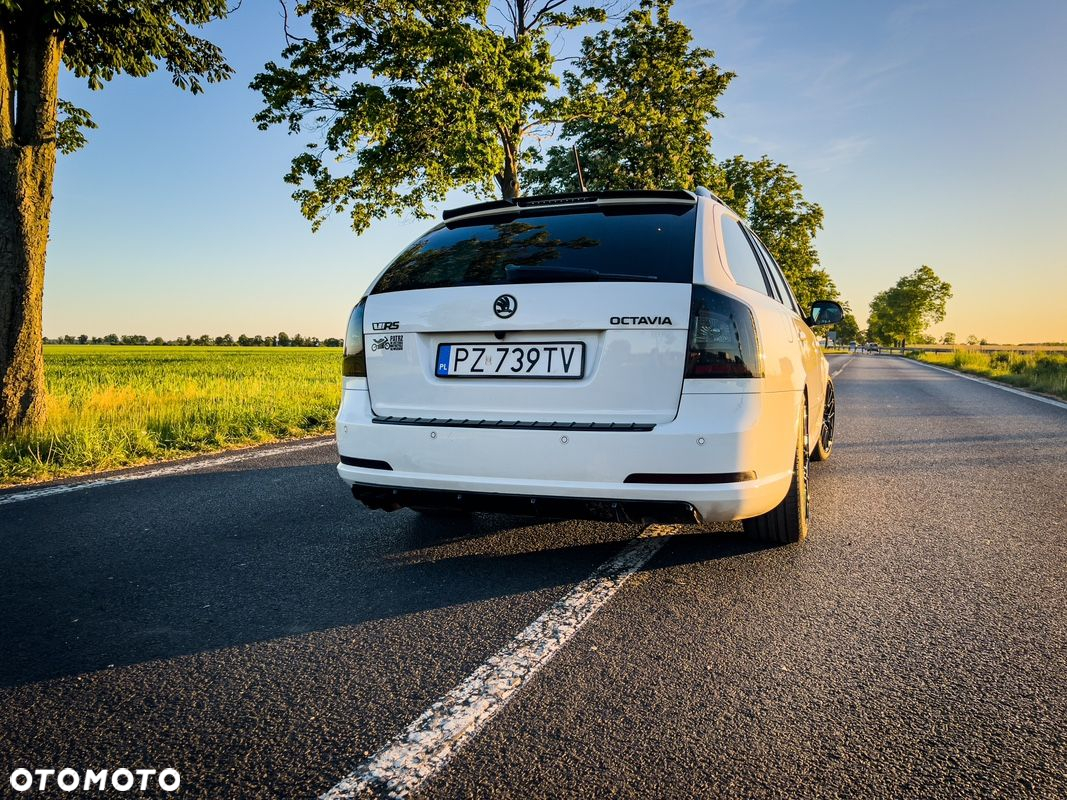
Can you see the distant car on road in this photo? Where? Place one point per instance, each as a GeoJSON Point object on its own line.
{"type": "Point", "coordinates": [873, 348]}
{"type": "Point", "coordinates": [624, 355]}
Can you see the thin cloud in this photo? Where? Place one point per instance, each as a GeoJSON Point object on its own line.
{"type": "Point", "coordinates": [837, 153]}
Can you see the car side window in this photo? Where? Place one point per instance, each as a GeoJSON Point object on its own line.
{"type": "Point", "coordinates": [776, 274]}
{"type": "Point", "coordinates": [742, 259]}
{"type": "Point", "coordinates": [777, 292]}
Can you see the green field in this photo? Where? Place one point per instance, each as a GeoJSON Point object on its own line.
{"type": "Point", "coordinates": [1039, 372]}
{"type": "Point", "coordinates": [113, 406]}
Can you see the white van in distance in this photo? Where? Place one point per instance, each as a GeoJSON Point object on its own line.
{"type": "Point", "coordinates": [631, 356]}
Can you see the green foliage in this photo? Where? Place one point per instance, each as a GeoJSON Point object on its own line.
{"type": "Point", "coordinates": [905, 310]}
{"type": "Point", "coordinates": [116, 406]}
{"type": "Point", "coordinates": [70, 125]}
{"type": "Point", "coordinates": [848, 330]}
{"type": "Point", "coordinates": [405, 100]}
{"type": "Point", "coordinates": [771, 199]}
{"type": "Point", "coordinates": [637, 105]}
{"type": "Point", "coordinates": [102, 39]}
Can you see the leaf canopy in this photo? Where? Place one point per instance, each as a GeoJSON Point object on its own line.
{"type": "Point", "coordinates": [637, 106]}
{"type": "Point", "coordinates": [770, 197]}
{"type": "Point", "coordinates": [104, 38]}
{"type": "Point", "coordinates": [848, 330]}
{"type": "Point", "coordinates": [100, 39]}
{"type": "Point", "coordinates": [907, 308]}
{"type": "Point", "coordinates": [402, 101]}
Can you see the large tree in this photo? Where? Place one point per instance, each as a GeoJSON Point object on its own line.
{"type": "Point", "coordinates": [95, 40]}
{"type": "Point", "coordinates": [771, 198]}
{"type": "Point", "coordinates": [637, 105]}
{"type": "Point", "coordinates": [405, 100]}
{"type": "Point", "coordinates": [907, 308]}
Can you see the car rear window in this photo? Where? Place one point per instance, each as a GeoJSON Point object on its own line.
{"type": "Point", "coordinates": [640, 242]}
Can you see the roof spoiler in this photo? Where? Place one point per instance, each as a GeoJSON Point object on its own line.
{"type": "Point", "coordinates": [578, 198]}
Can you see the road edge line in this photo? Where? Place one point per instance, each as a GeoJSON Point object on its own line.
{"type": "Point", "coordinates": [15, 495]}
{"type": "Point", "coordinates": [841, 369]}
{"type": "Point", "coordinates": [977, 379]}
{"type": "Point", "coordinates": [428, 743]}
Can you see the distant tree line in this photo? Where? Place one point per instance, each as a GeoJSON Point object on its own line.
{"type": "Point", "coordinates": [282, 339]}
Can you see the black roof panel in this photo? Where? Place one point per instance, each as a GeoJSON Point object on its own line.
{"type": "Point", "coordinates": [535, 201]}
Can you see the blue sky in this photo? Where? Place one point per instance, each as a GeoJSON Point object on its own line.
{"type": "Point", "coordinates": [930, 132]}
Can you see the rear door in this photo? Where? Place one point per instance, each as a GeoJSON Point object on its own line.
{"type": "Point", "coordinates": [815, 366]}
{"type": "Point", "coordinates": [550, 316]}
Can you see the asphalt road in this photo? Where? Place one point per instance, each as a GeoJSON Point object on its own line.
{"type": "Point", "coordinates": [250, 625]}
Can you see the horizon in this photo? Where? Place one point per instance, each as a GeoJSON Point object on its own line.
{"type": "Point", "coordinates": [197, 341]}
{"type": "Point", "coordinates": [883, 113]}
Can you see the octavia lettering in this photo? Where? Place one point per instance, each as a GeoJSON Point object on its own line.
{"type": "Point", "coordinates": [641, 321]}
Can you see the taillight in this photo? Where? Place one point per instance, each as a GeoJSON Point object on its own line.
{"type": "Point", "coordinates": [722, 338]}
{"type": "Point", "coordinates": [354, 363]}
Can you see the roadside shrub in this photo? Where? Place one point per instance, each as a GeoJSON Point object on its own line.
{"type": "Point", "coordinates": [1049, 364]}
{"type": "Point", "coordinates": [966, 359]}
{"type": "Point", "coordinates": [1018, 364]}
{"type": "Point", "coordinates": [1040, 372]}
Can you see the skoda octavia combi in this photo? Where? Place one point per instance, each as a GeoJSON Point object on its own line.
{"type": "Point", "coordinates": [622, 355]}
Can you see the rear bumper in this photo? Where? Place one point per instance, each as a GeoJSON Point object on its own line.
{"type": "Point", "coordinates": [714, 439]}
{"type": "Point", "coordinates": [645, 511]}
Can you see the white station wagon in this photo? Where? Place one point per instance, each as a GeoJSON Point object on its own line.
{"type": "Point", "coordinates": [632, 356]}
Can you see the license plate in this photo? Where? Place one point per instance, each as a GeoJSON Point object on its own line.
{"type": "Point", "coordinates": [527, 360]}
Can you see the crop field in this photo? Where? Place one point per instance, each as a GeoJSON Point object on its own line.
{"type": "Point", "coordinates": [113, 406]}
{"type": "Point", "coordinates": [1040, 372]}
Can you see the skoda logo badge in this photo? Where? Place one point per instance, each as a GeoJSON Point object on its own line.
{"type": "Point", "coordinates": [505, 306]}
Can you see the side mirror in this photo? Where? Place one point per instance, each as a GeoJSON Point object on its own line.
{"type": "Point", "coordinates": [825, 312]}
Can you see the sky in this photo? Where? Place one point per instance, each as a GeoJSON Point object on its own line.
{"type": "Point", "coordinates": [931, 132]}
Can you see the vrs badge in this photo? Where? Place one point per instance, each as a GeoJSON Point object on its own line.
{"type": "Point", "coordinates": [394, 342]}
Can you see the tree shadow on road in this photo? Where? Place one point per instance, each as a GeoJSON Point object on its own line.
{"type": "Point", "coordinates": [190, 563]}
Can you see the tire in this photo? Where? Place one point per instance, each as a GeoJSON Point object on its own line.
{"type": "Point", "coordinates": [787, 523]}
{"type": "Point", "coordinates": [826, 434]}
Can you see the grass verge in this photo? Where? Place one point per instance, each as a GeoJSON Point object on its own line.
{"type": "Point", "coordinates": [1040, 372]}
{"type": "Point", "coordinates": [112, 407]}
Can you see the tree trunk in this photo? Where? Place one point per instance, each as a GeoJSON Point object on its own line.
{"type": "Point", "coordinates": [508, 179]}
{"type": "Point", "coordinates": [27, 167]}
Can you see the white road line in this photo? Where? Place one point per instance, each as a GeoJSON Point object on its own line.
{"type": "Point", "coordinates": [173, 469]}
{"type": "Point", "coordinates": [426, 745]}
{"type": "Point", "coordinates": [840, 369]}
{"type": "Point", "coordinates": [994, 384]}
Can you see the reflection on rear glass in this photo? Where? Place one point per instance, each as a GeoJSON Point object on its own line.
{"type": "Point", "coordinates": [640, 241]}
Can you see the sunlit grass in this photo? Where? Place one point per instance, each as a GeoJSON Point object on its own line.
{"type": "Point", "coordinates": [1041, 372]}
{"type": "Point", "coordinates": [116, 406]}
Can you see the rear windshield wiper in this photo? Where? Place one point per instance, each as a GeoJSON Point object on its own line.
{"type": "Point", "coordinates": [522, 273]}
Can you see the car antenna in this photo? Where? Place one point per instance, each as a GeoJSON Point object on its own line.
{"type": "Point", "coordinates": [578, 166]}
